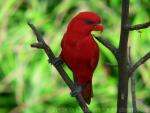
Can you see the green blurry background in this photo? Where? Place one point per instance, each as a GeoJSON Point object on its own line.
{"type": "Point", "coordinates": [28, 84]}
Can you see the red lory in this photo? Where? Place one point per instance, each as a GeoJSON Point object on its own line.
{"type": "Point", "coordinates": [80, 51]}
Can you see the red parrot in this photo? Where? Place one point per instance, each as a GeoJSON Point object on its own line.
{"type": "Point", "coordinates": [80, 51]}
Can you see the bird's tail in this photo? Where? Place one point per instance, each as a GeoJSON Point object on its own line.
{"type": "Point", "coordinates": [87, 92]}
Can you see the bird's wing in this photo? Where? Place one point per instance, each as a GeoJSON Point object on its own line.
{"type": "Point", "coordinates": [88, 49]}
{"type": "Point", "coordinates": [94, 59]}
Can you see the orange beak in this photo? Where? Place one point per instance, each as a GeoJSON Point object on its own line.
{"type": "Point", "coordinates": [98, 27]}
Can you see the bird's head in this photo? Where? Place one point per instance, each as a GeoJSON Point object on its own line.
{"type": "Point", "coordinates": [85, 22]}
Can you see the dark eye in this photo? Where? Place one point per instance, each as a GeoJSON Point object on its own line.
{"type": "Point", "coordinates": [89, 21]}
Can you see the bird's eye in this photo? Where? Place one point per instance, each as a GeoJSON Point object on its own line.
{"type": "Point", "coordinates": [89, 21]}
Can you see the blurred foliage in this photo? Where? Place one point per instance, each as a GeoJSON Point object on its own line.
{"type": "Point", "coordinates": [28, 84]}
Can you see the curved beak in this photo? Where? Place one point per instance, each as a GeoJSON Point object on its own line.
{"type": "Point", "coordinates": [98, 27]}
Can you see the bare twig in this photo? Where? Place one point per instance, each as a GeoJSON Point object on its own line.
{"type": "Point", "coordinates": [133, 94]}
{"type": "Point", "coordinates": [108, 45]}
{"type": "Point", "coordinates": [42, 45]}
{"type": "Point", "coordinates": [132, 80]}
{"type": "Point", "coordinates": [139, 63]}
{"type": "Point", "coordinates": [138, 26]}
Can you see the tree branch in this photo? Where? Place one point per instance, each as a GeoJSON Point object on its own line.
{"type": "Point", "coordinates": [139, 63]}
{"type": "Point", "coordinates": [138, 26]}
{"type": "Point", "coordinates": [108, 46]}
{"type": "Point", "coordinates": [42, 45]}
{"type": "Point", "coordinates": [132, 78]}
{"type": "Point", "coordinates": [122, 61]}
{"type": "Point", "coordinates": [133, 94]}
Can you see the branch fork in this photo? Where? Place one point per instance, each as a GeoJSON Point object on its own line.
{"type": "Point", "coordinates": [139, 63]}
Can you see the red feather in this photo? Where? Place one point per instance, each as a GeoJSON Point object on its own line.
{"type": "Point", "coordinates": [80, 51]}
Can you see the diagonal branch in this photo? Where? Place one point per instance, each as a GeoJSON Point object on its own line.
{"type": "Point", "coordinates": [42, 45]}
{"type": "Point", "coordinates": [139, 63]}
{"type": "Point", "coordinates": [108, 46]}
{"type": "Point", "coordinates": [138, 26]}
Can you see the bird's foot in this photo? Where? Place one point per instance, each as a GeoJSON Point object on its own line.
{"type": "Point", "coordinates": [57, 61]}
{"type": "Point", "coordinates": [76, 91]}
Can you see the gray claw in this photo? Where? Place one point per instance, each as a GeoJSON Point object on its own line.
{"type": "Point", "coordinates": [76, 91]}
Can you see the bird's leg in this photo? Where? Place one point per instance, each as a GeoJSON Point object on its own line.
{"type": "Point", "coordinates": [56, 61]}
{"type": "Point", "coordinates": [85, 84]}
{"type": "Point", "coordinates": [78, 88]}
{"type": "Point", "coordinates": [75, 80]}
{"type": "Point", "coordinates": [76, 91]}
